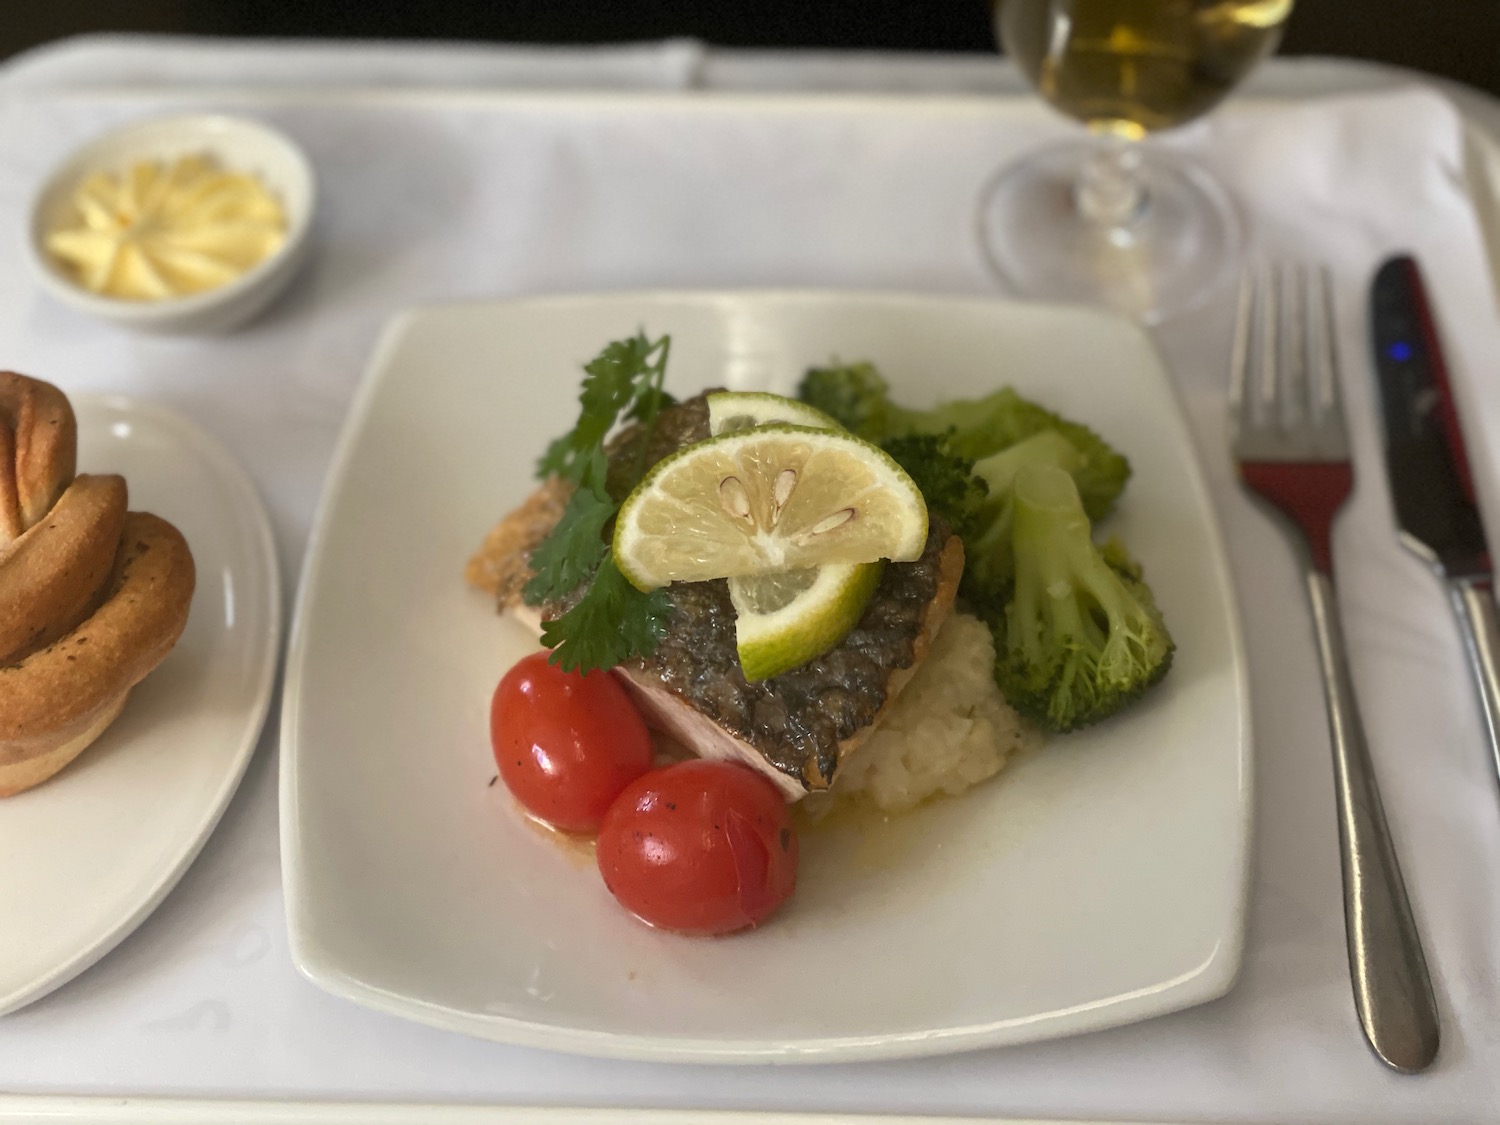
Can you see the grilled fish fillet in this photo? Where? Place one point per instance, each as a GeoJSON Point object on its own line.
{"type": "Point", "coordinates": [795, 728]}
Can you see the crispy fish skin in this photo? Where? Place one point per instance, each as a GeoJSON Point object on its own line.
{"type": "Point", "coordinates": [499, 567]}
{"type": "Point", "coordinates": [795, 728]}
{"type": "Point", "coordinates": [680, 424]}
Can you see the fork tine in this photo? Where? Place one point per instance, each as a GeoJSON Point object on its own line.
{"type": "Point", "coordinates": [1327, 399]}
{"type": "Point", "coordinates": [1297, 390]}
{"type": "Point", "coordinates": [1284, 393]}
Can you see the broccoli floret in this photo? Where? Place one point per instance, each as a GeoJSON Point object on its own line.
{"type": "Point", "coordinates": [988, 558]}
{"type": "Point", "coordinates": [947, 481]}
{"type": "Point", "coordinates": [855, 394]}
{"type": "Point", "coordinates": [1082, 637]}
{"type": "Point", "coordinates": [953, 490]}
{"type": "Point", "coordinates": [1048, 447]}
{"type": "Point", "coordinates": [859, 397]}
{"type": "Point", "coordinates": [1078, 634]}
{"type": "Point", "coordinates": [988, 571]}
{"type": "Point", "coordinates": [988, 566]}
{"type": "Point", "coordinates": [975, 500]}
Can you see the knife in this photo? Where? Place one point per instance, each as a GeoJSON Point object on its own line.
{"type": "Point", "coordinates": [1429, 471]}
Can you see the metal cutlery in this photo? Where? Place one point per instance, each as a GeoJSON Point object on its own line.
{"type": "Point", "coordinates": [1292, 449]}
{"type": "Point", "coordinates": [1429, 470]}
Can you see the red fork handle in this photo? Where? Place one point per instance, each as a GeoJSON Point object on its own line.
{"type": "Point", "coordinates": [1309, 493]}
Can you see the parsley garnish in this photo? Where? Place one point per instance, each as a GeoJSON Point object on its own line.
{"type": "Point", "coordinates": [613, 621]}
{"type": "Point", "coordinates": [624, 379]}
{"type": "Point", "coordinates": [650, 403]}
{"type": "Point", "coordinates": [571, 553]}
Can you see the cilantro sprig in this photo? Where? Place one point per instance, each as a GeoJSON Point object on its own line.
{"type": "Point", "coordinates": [613, 621]}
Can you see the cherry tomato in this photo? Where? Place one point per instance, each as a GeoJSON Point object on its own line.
{"type": "Point", "coordinates": [699, 847]}
{"type": "Point", "coordinates": [566, 743]}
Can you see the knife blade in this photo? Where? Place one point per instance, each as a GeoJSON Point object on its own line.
{"type": "Point", "coordinates": [1431, 482]}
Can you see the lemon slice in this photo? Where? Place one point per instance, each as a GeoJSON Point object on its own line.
{"type": "Point", "coordinates": [768, 499]}
{"type": "Point", "coordinates": [729, 411]}
{"type": "Point", "coordinates": [785, 619]}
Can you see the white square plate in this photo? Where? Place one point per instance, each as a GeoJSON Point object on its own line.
{"type": "Point", "coordinates": [1097, 882]}
{"type": "Point", "coordinates": [87, 855]}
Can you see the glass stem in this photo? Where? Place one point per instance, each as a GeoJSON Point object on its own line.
{"type": "Point", "coordinates": [1111, 189]}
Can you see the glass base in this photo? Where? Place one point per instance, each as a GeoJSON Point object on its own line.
{"type": "Point", "coordinates": [1175, 252]}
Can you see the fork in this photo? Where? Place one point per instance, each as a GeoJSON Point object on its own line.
{"type": "Point", "coordinates": [1292, 449]}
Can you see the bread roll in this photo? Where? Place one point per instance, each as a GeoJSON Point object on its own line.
{"type": "Point", "coordinates": [38, 451]}
{"type": "Point", "coordinates": [92, 597]}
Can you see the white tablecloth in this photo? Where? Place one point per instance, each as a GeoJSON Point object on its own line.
{"type": "Point", "coordinates": [432, 196]}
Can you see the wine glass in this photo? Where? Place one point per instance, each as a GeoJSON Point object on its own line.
{"type": "Point", "coordinates": [1108, 219]}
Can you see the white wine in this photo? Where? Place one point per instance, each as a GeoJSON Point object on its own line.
{"type": "Point", "coordinates": [1129, 67]}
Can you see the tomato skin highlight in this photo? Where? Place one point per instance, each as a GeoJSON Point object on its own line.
{"type": "Point", "coordinates": [566, 743]}
{"type": "Point", "coordinates": [700, 848]}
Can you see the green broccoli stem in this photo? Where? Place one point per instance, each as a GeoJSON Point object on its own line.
{"type": "Point", "coordinates": [1054, 557]}
{"type": "Point", "coordinates": [989, 555]}
{"type": "Point", "coordinates": [1047, 447]}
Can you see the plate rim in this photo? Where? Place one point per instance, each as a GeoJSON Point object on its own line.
{"type": "Point", "coordinates": [257, 521]}
{"type": "Point", "coordinates": [1209, 981]}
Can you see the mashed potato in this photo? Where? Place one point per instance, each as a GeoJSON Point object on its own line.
{"type": "Point", "coordinates": [949, 730]}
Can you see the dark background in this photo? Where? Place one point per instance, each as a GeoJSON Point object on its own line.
{"type": "Point", "coordinates": [1456, 38]}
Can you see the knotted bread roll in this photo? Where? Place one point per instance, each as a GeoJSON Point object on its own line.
{"type": "Point", "coordinates": [92, 596]}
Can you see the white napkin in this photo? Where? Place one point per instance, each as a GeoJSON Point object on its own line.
{"type": "Point", "coordinates": [163, 62]}
{"type": "Point", "coordinates": [434, 198]}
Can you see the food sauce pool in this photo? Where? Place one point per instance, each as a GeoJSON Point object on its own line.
{"type": "Point", "coordinates": [848, 840]}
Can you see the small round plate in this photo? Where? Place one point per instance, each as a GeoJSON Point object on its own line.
{"type": "Point", "coordinates": [88, 854]}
